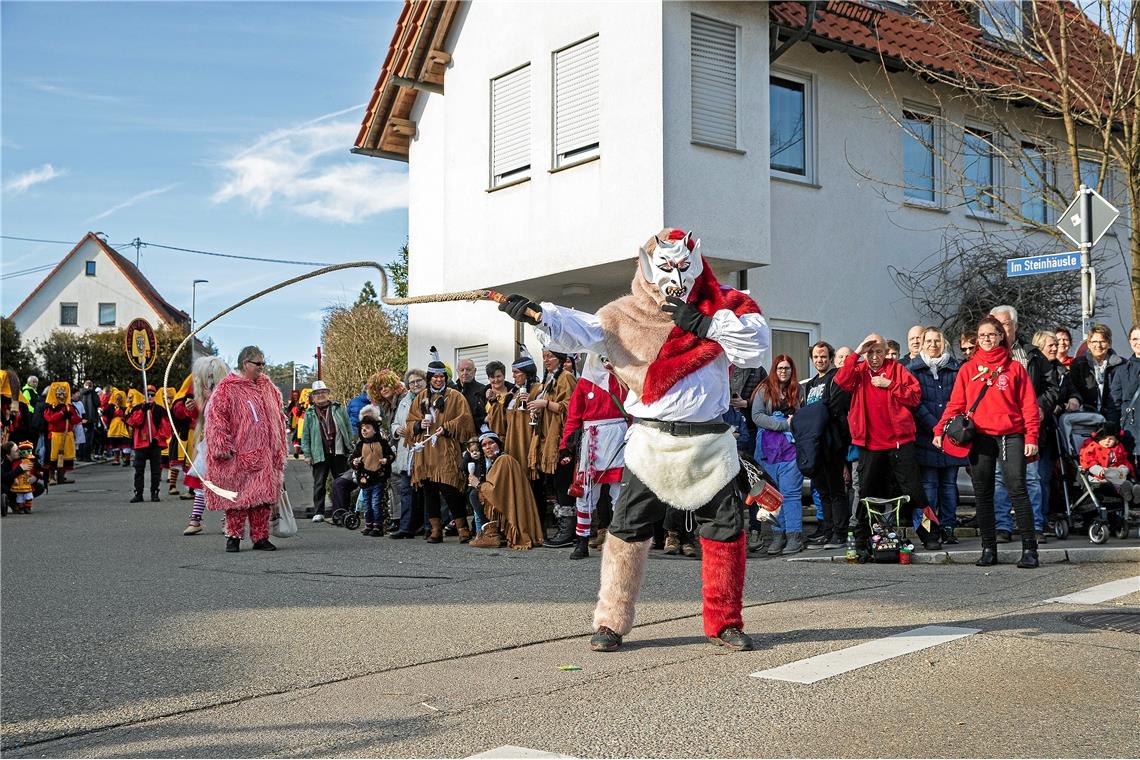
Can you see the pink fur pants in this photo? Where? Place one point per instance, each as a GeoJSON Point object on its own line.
{"type": "Point", "coordinates": [258, 522]}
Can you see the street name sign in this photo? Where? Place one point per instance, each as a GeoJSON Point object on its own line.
{"type": "Point", "coordinates": [1051, 262]}
{"type": "Point", "coordinates": [1103, 216]}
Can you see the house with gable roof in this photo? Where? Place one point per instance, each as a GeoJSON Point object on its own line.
{"type": "Point", "coordinates": [546, 141]}
{"type": "Point", "coordinates": [94, 287]}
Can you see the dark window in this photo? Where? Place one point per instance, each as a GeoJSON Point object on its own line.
{"type": "Point", "coordinates": [90, 268]}
{"type": "Point", "coordinates": [69, 314]}
{"type": "Point", "coordinates": [106, 315]}
{"type": "Point", "coordinates": [918, 156]}
{"type": "Point", "coordinates": [788, 126]}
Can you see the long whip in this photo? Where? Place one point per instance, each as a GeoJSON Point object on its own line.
{"type": "Point", "coordinates": [465, 295]}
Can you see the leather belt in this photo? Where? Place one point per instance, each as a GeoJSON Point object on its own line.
{"type": "Point", "coordinates": [684, 429]}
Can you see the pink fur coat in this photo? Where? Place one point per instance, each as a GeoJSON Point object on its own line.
{"type": "Point", "coordinates": [245, 417]}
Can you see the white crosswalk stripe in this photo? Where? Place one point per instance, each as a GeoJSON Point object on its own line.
{"type": "Point", "coordinates": [1103, 593]}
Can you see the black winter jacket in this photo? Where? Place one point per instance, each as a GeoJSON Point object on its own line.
{"type": "Point", "coordinates": [1080, 384]}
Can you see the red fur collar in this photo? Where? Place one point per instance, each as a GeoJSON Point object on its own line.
{"type": "Point", "coordinates": [683, 352]}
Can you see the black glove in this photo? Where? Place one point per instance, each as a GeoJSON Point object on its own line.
{"type": "Point", "coordinates": [687, 316]}
{"type": "Point", "coordinates": [516, 307]}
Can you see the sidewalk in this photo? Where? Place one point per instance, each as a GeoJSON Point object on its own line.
{"type": "Point", "coordinates": [1074, 550]}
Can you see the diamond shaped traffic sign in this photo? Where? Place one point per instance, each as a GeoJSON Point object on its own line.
{"type": "Point", "coordinates": [1103, 216]}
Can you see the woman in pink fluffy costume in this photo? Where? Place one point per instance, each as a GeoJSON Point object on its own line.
{"type": "Point", "coordinates": [245, 437]}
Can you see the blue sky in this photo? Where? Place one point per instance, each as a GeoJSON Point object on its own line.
{"type": "Point", "coordinates": [208, 125]}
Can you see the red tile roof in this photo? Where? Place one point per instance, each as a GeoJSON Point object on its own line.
{"type": "Point", "coordinates": [942, 38]}
{"type": "Point", "coordinates": [168, 313]}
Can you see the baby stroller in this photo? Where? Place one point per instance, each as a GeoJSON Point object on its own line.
{"type": "Point", "coordinates": [1090, 504]}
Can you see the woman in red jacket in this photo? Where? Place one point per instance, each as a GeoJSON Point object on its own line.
{"type": "Point", "coordinates": [1007, 421]}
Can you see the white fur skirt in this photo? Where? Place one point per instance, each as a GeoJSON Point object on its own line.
{"type": "Point", "coordinates": [685, 472]}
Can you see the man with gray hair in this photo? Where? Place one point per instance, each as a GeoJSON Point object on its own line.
{"type": "Point", "coordinates": [1048, 390]}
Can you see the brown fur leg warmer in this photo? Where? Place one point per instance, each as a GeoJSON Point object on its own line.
{"type": "Point", "coordinates": [623, 566]}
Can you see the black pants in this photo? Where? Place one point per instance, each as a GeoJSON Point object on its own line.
{"type": "Point", "coordinates": [638, 509]}
{"type": "Point", "coordinates": [833, 492]}
{"type": "Point", "coordinates": [436, 493]}
{"type": "Point", "coordinates": [152, 454]}
{"type": "Point", "coordinates": [334, 465]}
{"type": "Point", "coordinates": [879, 472]}
{"type": "Point", "coordinates": [986, 453]}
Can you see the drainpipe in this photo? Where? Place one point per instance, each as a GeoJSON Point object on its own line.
{"type": "Point", "coordinates": [800, 35]}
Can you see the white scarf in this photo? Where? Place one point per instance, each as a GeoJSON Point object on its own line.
{"type": "Point", "coordinates": [934, 364]}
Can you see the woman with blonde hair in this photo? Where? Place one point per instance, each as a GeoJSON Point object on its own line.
{"type": "Point", "coordinates": [206, 373]}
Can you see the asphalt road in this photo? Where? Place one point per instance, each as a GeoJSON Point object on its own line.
{"type": "Point", "coordinates": [121, 637]}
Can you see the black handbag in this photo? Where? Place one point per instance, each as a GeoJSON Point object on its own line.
{"type": "Point", "coordinates": [960, 428]}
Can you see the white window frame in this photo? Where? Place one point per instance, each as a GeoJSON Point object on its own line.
{"type": "Point", "coordinates": [99, 314]}
{"type": "Point", "coordinates": [522, 172]}
{"type": "Point", "coordinates": [707, 140]}
{"type": "Point", "coordinates": [990, 136]}
{"type": "Point", "coordinates": [1049, 170]}
{"type": "Point", "coordinates": [811, 329]}
{"type": "Point", "coordinates": [810, 170]}
{"type": "Point", "coordinates": [937, 149]}
{"type": "Point", "coordinates": [586, 151]}
{"type": "Point", "coordinates": [1092, 156]}
{"type": "Point", "coordinates": [62, 304]}
{"type": "Point", "coordinates": [473, 352]}
{"type": "Point", "coordinates": [986, 14]}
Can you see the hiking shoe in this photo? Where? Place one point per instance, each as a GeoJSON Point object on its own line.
{"type": "Point", "coordinates": [672, 543]}
{"type": "Point", "coordinates": [688, 550]}
{"type": "Point", "coordinates": [794, 543]}
{"type": "Point", "coordinates": [779, 541]}
{"type": "Point", "coordinates": [816, 541]}
{"type": "Point", "coordinates": [264, 546]}
{"type": "Point", "coordinates": [1003, 537]}
{"type": "Point", "coordinates": [233, 544]}
{"type": "Point", "coordinates": [733, 638]}
{"type": "Point", "coordinates": [605, 640]}
{"type": "Point", "coordinates": [948, 536]}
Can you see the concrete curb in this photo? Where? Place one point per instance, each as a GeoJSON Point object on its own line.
{"type": "Point", "coordinates": [1010, 556]}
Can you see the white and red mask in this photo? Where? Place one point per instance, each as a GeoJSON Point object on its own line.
{"type": "Point", "coordinates": [674, 265]}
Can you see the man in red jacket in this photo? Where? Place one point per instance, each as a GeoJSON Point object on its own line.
{"type": "Point", "coordinates": [151, 437]}
{"type": "Point", "coordinates": [883, 393]}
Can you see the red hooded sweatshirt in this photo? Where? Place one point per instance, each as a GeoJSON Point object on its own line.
{"type": "Point", "coordinates": [880, 418]}
{"type": "Point", "coordinates": [1010, 405]}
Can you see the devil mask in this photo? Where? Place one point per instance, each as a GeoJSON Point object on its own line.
{"type": "Point", "coordinates": [673, 264]}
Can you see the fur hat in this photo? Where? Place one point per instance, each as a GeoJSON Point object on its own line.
{"type": "Point", "coordinates": [436, 365]}
{"type": "Point", "coordinates": [368, 419]}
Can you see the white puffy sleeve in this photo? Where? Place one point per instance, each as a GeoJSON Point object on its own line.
{"type": "Point", "coordinates": [746, 339]}
{"type": "Point", "coordinates": [567, 330]}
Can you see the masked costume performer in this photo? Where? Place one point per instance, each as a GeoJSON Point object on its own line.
{"type": "Point", "coordinates": [23, 488]}
{"type": "Point", "coordinates": [118, 434]}
{"type": "Point", "coordinates": [205, 375]}
{"type": "Point", "coordinates": [439, 420]}
{"type": "Point", "coordinates": [185, 414]}
{"type": "Point", "coordinates": [596, 426]}
{"type": "Point", "coordinates": [507, 499]}
{"type": "Point", "coordinates": [671, 342]}
{"type": "Point", "coordinates": [61, 419]}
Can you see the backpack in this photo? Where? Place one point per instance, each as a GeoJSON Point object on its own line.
{"type": "Point", "coordinates": [809, 428]}
{"type": "Point", "coordinates": [38, 425]}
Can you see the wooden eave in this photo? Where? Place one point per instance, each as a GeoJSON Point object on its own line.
{"type": "Point", "coordinates": [416, 62]}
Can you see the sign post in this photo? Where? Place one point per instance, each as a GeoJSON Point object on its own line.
{"type": "Point", "coordinates": [1085, 221]}
{"type": "Point", "coordinates": [142, 350]}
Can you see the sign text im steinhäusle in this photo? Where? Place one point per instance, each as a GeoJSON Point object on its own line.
{"type": "Point", "coordinates": [1050, 262]}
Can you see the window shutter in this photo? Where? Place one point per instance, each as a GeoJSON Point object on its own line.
{"type": "Point", "coordinates": [478, 354]}
{"type": "Point", "coordinates": [576, 100]}
{"type": "Point", "coordinates": [714, 82]}
{"type": "Point", "coordinates": [510, 125]}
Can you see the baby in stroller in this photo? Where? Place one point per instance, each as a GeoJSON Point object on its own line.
{"type": "Point", "coordinates": [1105, 459]}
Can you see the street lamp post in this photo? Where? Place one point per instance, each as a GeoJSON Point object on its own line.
{"type": "Point", "coordinates": [193, 314]}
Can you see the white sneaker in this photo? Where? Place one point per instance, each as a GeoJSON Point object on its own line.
{"type": "Point", "coordinates": [318, 517]}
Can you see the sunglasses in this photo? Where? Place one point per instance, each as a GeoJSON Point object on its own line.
{"type": "Point", "coordinates": [258, 364]}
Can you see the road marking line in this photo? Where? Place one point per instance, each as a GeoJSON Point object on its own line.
{"type": "Point", "coordinates": [1102, 593]}
{"type": "Point", "coordinates": [844, 660]}
{"type": "Point", "coordinates": [508, 751]}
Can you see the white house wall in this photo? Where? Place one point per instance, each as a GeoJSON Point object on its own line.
{"type": "Point", "coordinates": [832, 242]}
{"type": "Point", "coordinates": [463, 237]}
{"type": "Point", "coordinates": [40, 316]}
{"type": "Point", "coordinates": [721, 194]}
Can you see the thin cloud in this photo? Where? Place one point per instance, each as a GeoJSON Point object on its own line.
{"type": "Point", "coordinates": [305, 169]}
{"type": "Point", "coordinates": [20, 183]}
{"type": "Point", "coordinates": [67, 92]}
{"type": "Point", "coordinates": [132, 201]}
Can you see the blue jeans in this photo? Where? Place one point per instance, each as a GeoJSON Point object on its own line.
{"type": "Point", "coordinates": [941, 486]}
{"type": "Point", "coordinates": [408, 522]}
{"type": "Point", "coordinates": [374, 503]}
{"type": "Point", "coordinates": [815, 498]}
{"type": "Point", "coordinates": [1003, 518]}
{"type": "Point", "coordinates": [791, 483]}
{"type": "Point", "coordinates": [476, 508]}
{"type": "Point", "coordinates": [1045, 473]}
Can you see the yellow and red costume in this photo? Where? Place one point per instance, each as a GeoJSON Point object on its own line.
{"type": "Point", "coordinates": [61, 418]}
{"type": "Point", "coordinates": [22, 488]}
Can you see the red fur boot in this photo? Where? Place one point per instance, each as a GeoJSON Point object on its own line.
{"type": "Point", "coordinates": [722, 578]}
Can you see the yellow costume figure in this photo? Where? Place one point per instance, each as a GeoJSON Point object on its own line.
{"type": "Point", "coordinates": [118, 434]}
{"type": "Point", "coordinates": [61, 418]}
{"type": "Point", "coordinates": [182, 409]}
{"type": "Point", "coordinates": [22, 489]}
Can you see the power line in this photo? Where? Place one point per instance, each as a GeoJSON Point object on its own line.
{"type": "Point", "coordinates": [24, 272]}
{"type": "Point", "coordinates": [37, 240]}
{"type": "Point", "coordinates": [235, 256]}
